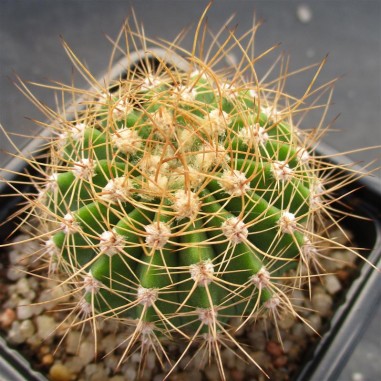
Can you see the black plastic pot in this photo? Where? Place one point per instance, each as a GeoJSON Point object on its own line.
{"type": "Point", "coordinates": [353, 310]}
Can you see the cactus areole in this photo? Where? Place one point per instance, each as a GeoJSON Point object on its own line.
{"type": "Point", "coordinates": [178, 201]}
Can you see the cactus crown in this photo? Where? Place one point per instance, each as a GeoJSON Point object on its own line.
{"type": "Point", "coordinates": [177, 200]}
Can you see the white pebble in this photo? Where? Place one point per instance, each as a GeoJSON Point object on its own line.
{"type": "Point", "coordinates": [51, 296]}
{"type": "Point", "coordinates": [22, 286]}
{"type": "Point", "coordinates": [36, 309]}
{"type": "Point", "coordinates": [108, 343]}
{"type": "Point", "coordinates": [90, 370]}
{"type": "Point", "coordinates": [287, 346]}
{"type": "Point", "coordinates": [74, 364]}
{"type": "Point", "coordinates": [332, 284]}
{"type": "Point", "coordinates": [73, 339]}
{"type": "Point", "coordinates": [322, 303]}
{"type": "Point", "coordinates": [12, 302]}
{"type": "Point", "coordinates": [101, 374]}
{"type": "Point", "coordinates": [87, 351]}
{"type": "Point", "coordinates": [358, 377]}
{"type": "Point", "coordinates": [34, 341]}
{"type": "Point", "coordinates": [298, 331]}
{"type": "Point", "coordinates": [16, 272]}
{"type": "Point", "coordinates": [111, 362]}
{"type": "Point", "coordinates": [24, 310]}
{"type": "Point", "coordinates": [151, 360]}
{"type": "Point", "coordinates": [304, 13]}
{"type": "Point", "coordinates": [130, 373]}
{"type": "Point", "coordinates": [14, 336]}
{"type": "Point", "coordinates": [27, 329]}
{"type": "Point", "coordinates": [135, 357]}
{"type": "Point", "coordinates": [45, 326]}
{"type": "Point", "coordinates": [315, 323]}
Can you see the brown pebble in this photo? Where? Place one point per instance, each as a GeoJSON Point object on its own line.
{"type": "Point", "coordinates": [44, 350]}
{"type": "Point", "coordinates": [294, 352]}
{"type": "Point", "coordinates": [47, 359]}
{"type": "Point", "coordinates": [342, 275]}
{"type": "Point", "coordinates": [280, 361]}
{"type": "Point", "coordinates": [237, 375]}
{"type": "Point", "coordinates": [59, 372]}
{"type": "Point", "coordinates": [7, 318]}
{"type": "Point", "coordinates": [274, 349]}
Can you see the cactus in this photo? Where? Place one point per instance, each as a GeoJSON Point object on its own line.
{"type": "Point", "coordinates": [176, 202]}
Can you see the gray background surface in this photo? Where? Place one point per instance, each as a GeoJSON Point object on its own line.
{"type": "Point", "coordinates": [350, 31]}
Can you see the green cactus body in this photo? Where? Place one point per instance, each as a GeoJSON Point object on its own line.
{"type": "Point", "coordinates": [178, 198]}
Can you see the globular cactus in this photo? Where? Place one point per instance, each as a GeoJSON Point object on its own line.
{"type": "Point", "coordinates": [176, 202]}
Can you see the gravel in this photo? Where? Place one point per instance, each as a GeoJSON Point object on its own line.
{"type": "Point", "coordinates": [32, 317]}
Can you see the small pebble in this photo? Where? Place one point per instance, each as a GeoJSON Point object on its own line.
{"type": "Point", "coordinates": [12, 302]}
{"type": "Point", "coordinates": [111, 362]}
{"type": "Point", "coordinates": [228, 358]}
{"type": "Point", "coordinates": [14, 336]}
{"type": "Point", "coordinates": [59, 372]}
{"type": "Point", "coordinates": [75, 364]}
{"type": "Point", "coordinates": [343, 275]}
{"type": "Point", "coordinates": [151, 360]}
{"type": "Point", "coordinates": [304, 13]}
{"type": "Point", "coordinates": [195, 375]}
{"type": "Point", "coordinates": [358, 377]}
{"type": "Point", "coordinates": [90, 370]}
{"type": "Point", "coordinates": [135, 357]}
{"type": "Point", "coordinates": [298, 298]}
{"type": "Point", "coordinates": [16, 272]}
{"type": "Point", "coordinates": [257, 339]}
{"type": "Point", "coordinates": [315, 323]}
{"type": "Point", "coordinates": [86, 352]}
{"type": "Point", "coordinates": [294, 352]}
{"type": "Point", "coordinates": [237, 375]}
{"type": "Point", "coordinates": [322, 303]}
{"type": "Point", "coordinates": [101, 375]}
{"type": "Point", "coordinates": [286, 321]}
{"type": "Point", "coordinates": [280, 361]}
{"type": "Point", "coordinates": [46, 326]}
{"type": "Point", "coordinates": [108, 343]}
{"type": "Point", "coordinates": [27, 329]}
{"type": "Point", "coordinates": [287, 346]}
{"type": "Point", "coordinates": [211, 372]}
{"type": "Point", "coordinates": [339, 261]}
{"type": "Point", "coordinates": [34, 341]}
{"type": "Point", "coordinates": [262, 358]}
{"type": "Point", "coordinates": [298, 330]}
{"type": "Point", "coordinates": [332, 284]}
{"type": "Point", "coordinates": [24, 309]}
{"type": "Point", "coordinates": [47, 359]}
{"type": "Point", "coordinates": [44, 349]}
{"type": "Point", "coordinates": [7, 318]}
{"type": "Point", "coordinates": [274, 349]}
{"type": "Point", "coordinates": [72, 342]}
{"type": "Point", "coordinates": [130, 372]}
